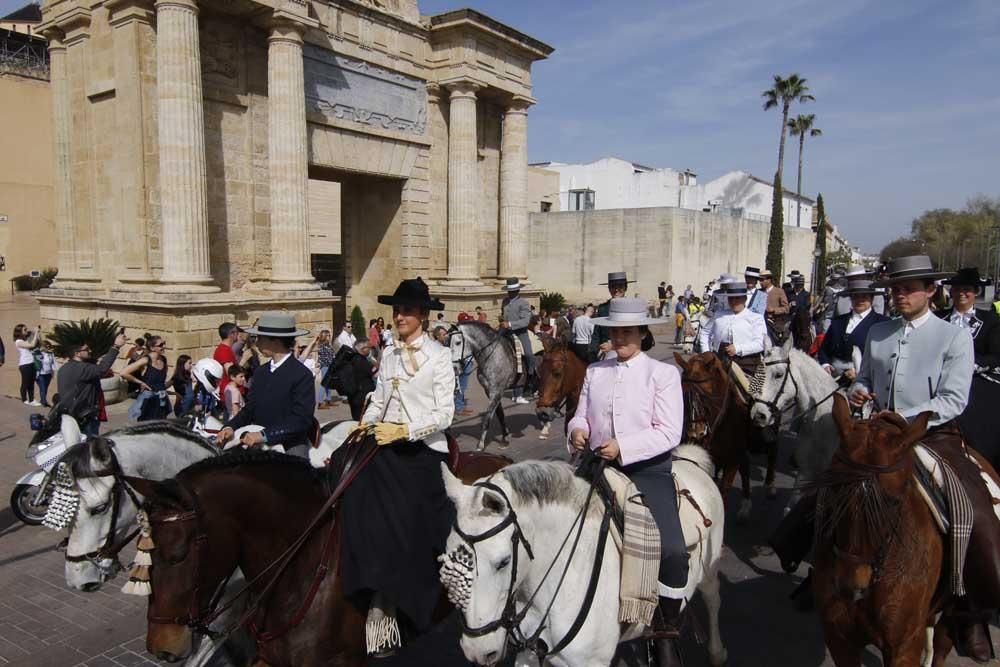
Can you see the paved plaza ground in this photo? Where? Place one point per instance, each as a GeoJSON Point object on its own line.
{"type": "Point", "coordinates": [44, 623]}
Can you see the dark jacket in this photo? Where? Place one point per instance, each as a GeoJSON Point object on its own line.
{"type": "Point", "coordinates": [800, 300]}
{"type": "Point", "coordinates": [838, 344]}
{"type": "Point", "coordinates": [985, 335]}
{"type": "Point", "coordinates": [283, 402]}
{"type": "Point", "coordinates": [79, 382]}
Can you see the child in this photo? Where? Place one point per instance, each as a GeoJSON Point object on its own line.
{"type": "Point", "coordinates": [46, 370]}
{"type": "Point", "coordinates": [234, 390]}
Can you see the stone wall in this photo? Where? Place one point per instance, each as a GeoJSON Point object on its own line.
{"type": "Point", "coordinates": [571, 252]}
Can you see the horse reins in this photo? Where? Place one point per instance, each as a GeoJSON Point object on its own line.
{"type": "Point", "coordinates": [510, 619]}
{"type": "Point", "coordinates": [773, 404]}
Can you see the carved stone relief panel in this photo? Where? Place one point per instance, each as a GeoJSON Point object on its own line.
{"type": "Point", "coordinates": [222, 55]}
{"type": "Point", "coordinates": [355, 90]}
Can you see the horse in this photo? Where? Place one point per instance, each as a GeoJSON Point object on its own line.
{"type": "Point", "coordinates": [880, 558]}
{"type": "Point", "coordinates": [245, 509]}
{"type": "Point", "coordinates": [801, 329]}
{"type": "Point", "coordinates": [560, 379]}
{"type": "Point", "coordinates": [795, 381]}
{"type": "Point", "coordinates": [507, 534]}
{"type": "Point", "coordinates": [496, 368]}
{"type": "Point", "coordinates": [717, 416]}
{"type": "Point", "coordinates": [101, 525]}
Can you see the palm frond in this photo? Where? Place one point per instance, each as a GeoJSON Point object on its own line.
{"type": "Point", "coordinates": [98, 335]}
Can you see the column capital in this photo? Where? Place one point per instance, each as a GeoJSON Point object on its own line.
{"type": "Point", "coordinates": [190, 5]}
{"type": "Point", "coordinates": [55, 36]}
{"type": "Point", "coordinates": [123, 12]}
{"type": "Point", "coordinates": [290, 27]}
{"type": "Point", "coordinates": [434, 92]}
{"type": "Point", "coordinates": [519, 104]}
{"type": "Point", "coordinates": [69, 27]}
{"type": "Point", "coordinates": [462, 88]}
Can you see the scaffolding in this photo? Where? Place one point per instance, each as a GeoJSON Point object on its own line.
{"type": "Point", "coordinates": [23, 55]}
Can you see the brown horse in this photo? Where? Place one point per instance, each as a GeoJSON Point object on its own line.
{"type": "Point", "coordinates": [244, 510]}
{"type": "Point", "coordinates": [878, 576]}
{"type": "Point", "coordinates": [717, 417]}
{"type": "Point", "coordinates": [560, 378]}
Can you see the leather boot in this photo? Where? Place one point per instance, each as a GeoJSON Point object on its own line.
{"type": "Point", "coordinates": [975, 641]}
{"type": "Point", "coordinates": [668, 653]}
{"type": "Point", "coordinates": [667, 621]}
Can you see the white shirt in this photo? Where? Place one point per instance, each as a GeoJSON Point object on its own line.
{"type": "Point", "coordinates": [856, 319]}
{"type": "Point", "coordinates": [963, 320]}
{"type": "Point", "coordinates": [583, 330]}
{"type": "Point", "coordinates": [387, 339]}
{"type": "Point", "coordinates": [346, 338]}
{"type": "Point", "coordinates": [24, 355]}
{"type": "Point", "coordinates": [913, 325]}
{"type": "Point", "coordinates": [745, 329]}
{"type": "Point", "coordinates": [422, 397]}
{"type": "Point", "coordinates": [276, 364]}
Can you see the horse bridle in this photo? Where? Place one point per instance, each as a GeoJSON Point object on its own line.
{"type": "Point", "coordinates": [696, 388]}
{"type": "Point", "coordinates": [110, 549]}
{"type": "Point", "coordinates": [773, 404]}
{"type": "Point", "coordinates": [510, 619]}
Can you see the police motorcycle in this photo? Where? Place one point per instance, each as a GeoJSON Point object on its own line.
{"type": "Point", "coordinates": [208, 418]}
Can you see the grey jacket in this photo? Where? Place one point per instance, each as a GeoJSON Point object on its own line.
{"type": "Point", "coordinates": [79, 382]}
{"type": "Point", "coordinates": [931, 369]}
{"type": "Point", "coordinates": [517, 311]}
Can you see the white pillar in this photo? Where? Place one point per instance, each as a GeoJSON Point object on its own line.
{"type": "Point", "coordinates": [463, 157]}
{"type": "Point", "coordinates": [183, 203]}
{"type": "Point", "coordinates": [514, 191]}
{"type": "Point", "coordinates": [63, 178]}
{"type": "Point", "coordinates": [288, 158]}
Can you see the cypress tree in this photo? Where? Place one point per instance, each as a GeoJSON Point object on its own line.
{"type": "Point", "coordinates": [776, 239]}
{"type": "Point", "coordinates": [820, 243]}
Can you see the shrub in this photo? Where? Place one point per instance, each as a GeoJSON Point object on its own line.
{"type": "Point", "coordinates": [551, 301]}
{"type": "Point", "coordinates": [358, 322]}
{"type": "Point", "coordinates": [26, 283]}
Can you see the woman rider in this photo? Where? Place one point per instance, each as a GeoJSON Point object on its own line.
{"type": "Point", "coordinates": [631, 413]}
{"type": "Point", "coordinates": [396, 515]}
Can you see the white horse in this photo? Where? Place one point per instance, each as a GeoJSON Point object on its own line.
{"type": "Point", "coordinates": [540, 502]}
{"type": "Point", "coordinates": [798, 392]}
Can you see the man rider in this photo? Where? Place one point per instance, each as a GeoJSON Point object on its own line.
{"type": "Point", "coordinates": [282, 396]}
{"type": "Point", "coordinates": [921, 363]}
{"type": "Point", "coordinates": [516, 317]}
{"type": "Point", "coordinates": [756, 297]}
{"type": "Point", "coordinates": [840, 353]}
{"type": "Point", "coordinates": [79, 384]}
{"type": "Point", "coordinates": [600, 342]}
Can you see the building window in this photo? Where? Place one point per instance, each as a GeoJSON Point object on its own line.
{"type": "Point", "coordinates": [581, 200]}
{"type": "Point", "coordinates": [546, 206]}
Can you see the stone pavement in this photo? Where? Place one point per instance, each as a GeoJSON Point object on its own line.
{"type": "Point", "coordinates": [44, 623]}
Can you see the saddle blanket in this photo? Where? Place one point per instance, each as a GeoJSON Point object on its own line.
{"type": "Point", "coordinates": [953, 516]}
{"type": "Point", "coordinates": [518, 355]}
{"type": "Point", "coordinates": [640, 552]}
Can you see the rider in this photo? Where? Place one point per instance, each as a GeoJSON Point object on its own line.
{"type": "Point", "coordinates": [756, 297]}
{"type": "Point", "coordinates": [396, 515]}
{"type": "Point", "coordinates": [282, 396]}
{"type": "Point", "coordinates": [777, 302]}
{"type": "Point", "coordinates": [800, 299]}
{"type": "Point", "coordinates": [631, 412]}
{"type": "Point", "coordinates": [516, 317]}
{"type": "Point", "coordinates": [600, 345]}
{"type": "Point", "coordinates": [840, 352]}
{"type": "Point", "coordinates": [984, 325]}
{"type": "Point", "coordinates": [738, 333]}
{"type": "Point", "coordinates": [921, 363]}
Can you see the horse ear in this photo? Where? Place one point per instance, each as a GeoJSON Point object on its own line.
{"type": "Point", "coordinates": [457, 492]}
{"type": "Point", "coordinates": [70, 430]}
{"type": "Point", "coordinates": [786, 347]}
{"type": "Point", "coordinates": [842, 416]}
{"type": "Point", "coordinates": [916, 430]}
{"type": "Point", "coordinates": [100, 450]}
{"type": "Point", "coordinates": [493, 502]}
{"type": "Point", "coordinates": [680, 361]}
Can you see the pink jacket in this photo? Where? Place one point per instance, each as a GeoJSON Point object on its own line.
{"type": "Point", "coordinates": [638, 402]}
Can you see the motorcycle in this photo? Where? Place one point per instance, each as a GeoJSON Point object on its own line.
{"type": "Point", "coordinates": [53, 436]}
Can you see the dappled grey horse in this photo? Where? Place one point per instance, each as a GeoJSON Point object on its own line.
{"type": "Point", "coordinates": [496, 368]}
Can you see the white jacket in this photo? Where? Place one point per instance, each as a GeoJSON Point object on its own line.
{"type": "Point", "coordinates": [422, 397]}
{"type": "Point", "coordinates": [745, 330]}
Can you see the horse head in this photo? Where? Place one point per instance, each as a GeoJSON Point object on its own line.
{"type": "Point", "coordinates": [560, 375]}
{"type": "Point", "coordinates": [706, 385]}
{"type": "Point", "coordinates": [778, 393]}
{"type": "Point", "coordinates": [861, 494]}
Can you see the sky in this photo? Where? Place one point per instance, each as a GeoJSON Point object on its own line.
{"type": "Point", "coordinates": [907, 94]}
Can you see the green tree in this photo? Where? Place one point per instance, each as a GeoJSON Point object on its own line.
{"type": "Point", "coordinates": [781, 95]}
{"type": "Point", "coordinates": [550, 302]}
{"type": "Point", "coordinates": [821, 228]}
{"type": "Point", "coordinates": [776, 238]}
{"type": "Point", "coordinates": [901, 247]}
{"type": "Point", "coordinates": [800, 126]}
{"type": "Point", "coordinates": [358, 322]}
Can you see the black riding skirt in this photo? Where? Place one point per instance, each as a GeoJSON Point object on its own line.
{"type": "Point", "coordinates": [396, 518]}
{"type": "Point", "coordinates": [654, 479]}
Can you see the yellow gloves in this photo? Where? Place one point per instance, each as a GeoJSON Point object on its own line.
{"type": "Point", "coordinates": [387, 432]}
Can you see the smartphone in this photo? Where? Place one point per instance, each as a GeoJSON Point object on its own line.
{"type": "Point", "coordinates": [122, 332]}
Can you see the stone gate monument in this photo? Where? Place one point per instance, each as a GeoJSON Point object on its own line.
{"type": "Point", "coordinates": [214, 156]}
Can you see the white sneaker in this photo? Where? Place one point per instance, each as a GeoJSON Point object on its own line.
{"type": "Point", "coordinates": [521, 400]}
{"type": "Point", "coordinates": [26, 402]}
{"type": "Point", "coordinates": [35, 404]}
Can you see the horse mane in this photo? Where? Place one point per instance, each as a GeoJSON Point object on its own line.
{"type": "Point", "coordinates": [241, 457]}
{"type": "Point", "coordinates": [476, 324]}
{"type": "Point", "coordinates": [544, 482]}
{"type": "Point", "coordinates": [164, 427]}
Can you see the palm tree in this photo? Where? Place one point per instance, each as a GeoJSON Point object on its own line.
{"type": "Point", "coordinates": [799, 127]}
{"type": "Point", "coordinates": [783, 93]}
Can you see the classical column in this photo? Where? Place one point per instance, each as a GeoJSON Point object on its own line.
{"type": "Point", "coordinates": [183, 202]}
{"type": "Point", "coordinates": [288, 157]}
{"type": "Point", "coordinates": [514, 191]}
{"type": "Point", "coordinates": [62, 122]}
{"type": "Point", "coordinates": [463, 201]}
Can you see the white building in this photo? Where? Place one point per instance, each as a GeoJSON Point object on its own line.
{"type": "Point", "coordinates": [611, 183]}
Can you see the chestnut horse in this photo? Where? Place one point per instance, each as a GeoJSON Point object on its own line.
{"type": "Point", "coordinates": [560, 378]}
{"type": "Point", "coordinates": [717, 417]}
{"type": "Point", "coordinates": [878, 574]}
{"type": "Point", "coordinates": [246, 509]}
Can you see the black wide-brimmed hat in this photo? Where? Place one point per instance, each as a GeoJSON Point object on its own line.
{"type": "Point", "coordinates": [968, 276]}
{"type": "Point", "coordinates": [412, 292]}
{"type": "Point", "coordinates": [751, 272]}
{"type": "Point", "coordinates": [617, 277]}
{"type": "Point", "coordinates": [914, 267]}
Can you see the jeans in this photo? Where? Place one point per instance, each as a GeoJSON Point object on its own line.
{"type": "Point", "coordinates": [91, 427]}
{"type": "Point", "coordinates": [325, 395]}
{"type": "Point", "coordinates": [183, 404]}
{"type": "Point", "coordinates": [43, 388]}
{"type": "Point", "coordinates": [463, 385]}
{"type": "Point", "coordinates": [27, 381]}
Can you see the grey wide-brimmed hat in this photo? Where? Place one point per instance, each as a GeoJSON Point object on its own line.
{"type": "Point", "coordinates": [617, 277]}
{"type": "Point", "coordinates": [627, 312]}
{"type": "Point", "coordinates": [856, 270]}
{"type": "Point", "coordinates": [859, 285]}
{"type": "Point", "coordinates": [274, 324]}
{"type": "Point", "coordinates": [513, 284]}
{"type": "Point", "coordinates": [914, 267]}
{"type": "Point", "coordinates": [733, 288]}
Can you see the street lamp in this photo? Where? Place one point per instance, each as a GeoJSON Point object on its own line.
{"type": "Point", "coordinates": [815, 272]}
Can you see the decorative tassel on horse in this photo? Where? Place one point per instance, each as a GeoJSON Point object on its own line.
{"type": "Point", "coordinates": [65, 500]}
{"type": "Point", "coordinates": [138, 575]}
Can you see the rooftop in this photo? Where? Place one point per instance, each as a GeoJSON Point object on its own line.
{"type": "Point", "coordinates": [30, 12]}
